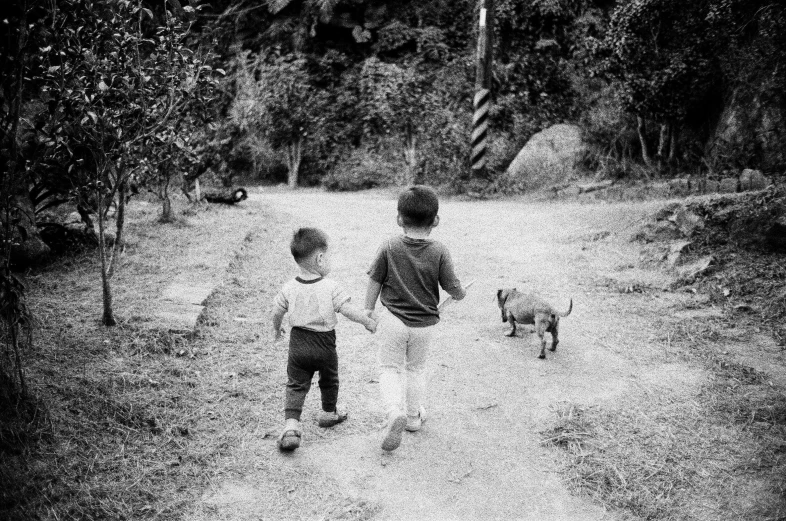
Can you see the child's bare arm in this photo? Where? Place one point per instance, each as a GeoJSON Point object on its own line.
{"type": "Point", "coordinates": [278, 317]}
{"type": "Point", "coordinates": [372, 294]}
{"type": "Point", "coordinates": [355, 314]}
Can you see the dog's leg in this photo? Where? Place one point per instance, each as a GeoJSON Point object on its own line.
{"type": "Point", "coordinates": [540, 329]}
{"type": "Point", "coordinates": [555, 335]}
{"type": "Point", "coordinates": [512, 322]}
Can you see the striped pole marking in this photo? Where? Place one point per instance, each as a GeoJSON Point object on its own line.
{"type": "Point", "coordinates": [480, 127]}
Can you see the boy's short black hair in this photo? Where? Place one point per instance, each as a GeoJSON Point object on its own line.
{"type": "Point", "coordinates": [418, 205]}
{"type": "Point", "coordinates": [306, 241]}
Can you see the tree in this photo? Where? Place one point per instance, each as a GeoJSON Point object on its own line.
{"type": "Point", "coordinates": [278, 100]}
{"type": "Point", "coordinates": [394, 99]}
{"type": "Point", "coordinates": [16, 214]}
{"type": "Point", "coordinates": [110, 88]}
{"type": "Point", "coordinates": [661, 53]}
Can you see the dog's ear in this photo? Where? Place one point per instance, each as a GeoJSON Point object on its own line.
{"type": "Point", "coordinates": [499, 294]}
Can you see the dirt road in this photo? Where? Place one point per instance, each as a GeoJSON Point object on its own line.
{"type": "Point", "coordinates": [479, 455]}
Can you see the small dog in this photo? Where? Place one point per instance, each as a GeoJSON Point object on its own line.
{"type": "Point", "coordinates": [526, 308]}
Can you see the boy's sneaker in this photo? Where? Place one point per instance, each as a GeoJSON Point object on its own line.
{"type": "Point", "coordinates": [414, 423]}
{"type": "Point", "coordinates": [329, 419]}
{"type": "Point", "coordinates": [394, 429]}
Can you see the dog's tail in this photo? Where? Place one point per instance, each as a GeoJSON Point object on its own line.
{"type": "Point", "coordinates": [570, 308]}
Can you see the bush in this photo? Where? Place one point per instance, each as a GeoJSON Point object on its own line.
{"type": "Point", "coordinates": [364, 169]}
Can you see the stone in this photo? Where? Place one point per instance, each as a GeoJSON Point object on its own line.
{"type": "Point", "coordinates": [666, 212]}
{"type": "Point", "coordinates": [679, 187]}
{"type": "Point", "coordinates": [687, 222]}
{"type": "Point", "coordinates": [550, 157]}
{"type": "Point", "coordinates": [711, 186]}
{"type": "Point", "coordinates": [571, 191]}
{"type": "Point", "coordinates": [753, 180]}
{"type": "Point", "coordinates": [689, 272]}
{"type": "Point", "coordinates": [676, 251]}
{"type": "Point", "coordinates": [657, 232]}
{"type": "Point", "coordinates": [728, 185]}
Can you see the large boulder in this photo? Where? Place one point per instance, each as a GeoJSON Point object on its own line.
{"type": "Point", "coordinates": [549, 157]}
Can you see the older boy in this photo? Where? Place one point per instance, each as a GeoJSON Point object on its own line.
{"type": "Point", "coordinates": [407, 273]}
{"type": "Point", "coordinates": [312, 301]}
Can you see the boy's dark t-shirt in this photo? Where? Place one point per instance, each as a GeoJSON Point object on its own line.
{"type": "Point", "coordinates": [410, 272]}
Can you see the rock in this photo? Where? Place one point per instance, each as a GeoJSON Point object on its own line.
{"type": "Point", "coordinates": [676, 250]}
{"type": "Point", "coordinates": [687, 222]}
{"type": "Point", "coordinates": [75, 227]}
{"type": "Point", "coordinates": [776, 235]}
{"type": "Point", "coordinates": [689, 272]}
{"type": "Point", "coordinates": [679, 186]}
{"type": "Point", "coordinates": [753, 180]}
{"type": "Point", "coordinates": [657, 231]}
{"type": "Point", "coordinates": [728, 185]}
{"type": "Point", "coordinates": [571, 191]}
{"type": "Point", "coordinates": [666, 212]}
{"type": "Point", "coordinates": [549, 157]}
{"type": "Point", "coordinates": [73, 217]}
{"type": "Point", "coordinates": [711, 186]}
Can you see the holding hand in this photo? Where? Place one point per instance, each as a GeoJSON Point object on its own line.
{"type": "Point", "coordinates": [371, 325]}
{"type": "Point", "coordinates": [279, 334]}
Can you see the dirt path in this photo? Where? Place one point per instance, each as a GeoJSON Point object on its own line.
{"type": "Point", "coordinates": [479, 455]}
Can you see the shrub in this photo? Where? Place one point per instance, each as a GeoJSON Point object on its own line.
{"type": "Point", "coordinates": [365, 168]}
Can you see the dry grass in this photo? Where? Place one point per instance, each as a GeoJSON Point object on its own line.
{"type": "Point", "coordinates": [718, 454]}
{"type": "Point", "coordinates": [135, 422]}
{"type": "Point", "coordinates": [111, 432]}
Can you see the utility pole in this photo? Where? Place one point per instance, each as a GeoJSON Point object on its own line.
{"type": "Point", "coordinates": [482, 101]}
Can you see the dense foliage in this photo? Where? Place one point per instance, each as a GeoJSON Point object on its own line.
{"type": "Point", "coordinates": [98, 92]}
{"type": "Point", "coordinates": [646, 79]}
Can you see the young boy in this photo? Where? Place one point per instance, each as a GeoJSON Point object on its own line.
{"type": "Point", "coordinates": [408, 271]}
{"type": "Point", "coordinates": [312, 301]}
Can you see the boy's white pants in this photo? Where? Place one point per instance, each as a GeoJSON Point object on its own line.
{"type": "Point", "coordinates": [402, 353]}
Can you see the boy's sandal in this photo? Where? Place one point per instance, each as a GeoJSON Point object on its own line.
{"type": "Point", "coordinates": [289, 440]}
{"type": "Point", "coordinates": [326, 421]}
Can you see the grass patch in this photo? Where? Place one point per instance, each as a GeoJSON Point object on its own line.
{"type": "Point", "coordinates": [136, 422]}
{"type": "Point", "coordinates": [112, 428]}
{"type": "Point", "coordinates": [716, 454]}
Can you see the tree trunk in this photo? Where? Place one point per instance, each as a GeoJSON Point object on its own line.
{"type": "Point", "coordinates": [18, 359]}
{"type": "Point", "coordinates": [663, 140]}
{"type": "Point", "coordinates": [166, 202]}
{"type": "Point", "coordinates": [120, 218]}
{"type": "Point", "coordinates": [410, 155]}
{"type": "Point", "coordinates": [197, 190]}
{"type": "Point", "coordinates": [166, 209]}
{"type": "Point", "coordinates": [673, 144]}
{"type": "Point", "coordinates": [645, 154]}
{"type": "Point", "coordinates": [294, 156]}
{"type": "Point", "coordinates": [108, 319]}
